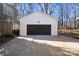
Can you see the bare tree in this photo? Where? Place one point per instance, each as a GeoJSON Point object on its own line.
{"type": "Point", "coordinates": [75, 14]}
{"type": "Point", "coordinates": [64, 14]}
{"type": "Point", "coordinates": [75, 18]}
{"type": "Point", "coordinates": [68, 13]}
{"type": "Point", "coordinates": [48, 8]}
{"type": "Point", "coordinates": [30, 8]}
{"type": "Point", "coordinates": [61, 14]}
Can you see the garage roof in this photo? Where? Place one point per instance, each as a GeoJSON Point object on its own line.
{"type": "Point", "coordinates": [39, 12]}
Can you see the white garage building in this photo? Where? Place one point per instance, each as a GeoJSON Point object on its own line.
{"type": "Point", "coordinates": [38, 23]}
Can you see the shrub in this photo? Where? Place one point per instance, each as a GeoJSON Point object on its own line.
{"type": "Point", "coordinates": [16, 32]}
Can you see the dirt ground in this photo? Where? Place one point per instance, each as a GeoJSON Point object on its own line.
{"type": "Point", "coordinates": [41, 46]}
{"type": "Point", "coordinates": [69, 31]}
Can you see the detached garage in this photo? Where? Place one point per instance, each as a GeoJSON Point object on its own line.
{"type": "Point", "coordinates": [38, 23]}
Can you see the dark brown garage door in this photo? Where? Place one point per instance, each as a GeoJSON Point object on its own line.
{"type": "Point", "coordinates": [38, 29]}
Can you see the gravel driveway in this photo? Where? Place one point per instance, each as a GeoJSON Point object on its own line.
{"type": "Point", "coordinates": [41, 46]}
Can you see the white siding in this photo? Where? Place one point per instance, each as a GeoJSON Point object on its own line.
{"type": "Point", "coordinates": [22, 29]}
{"type": "Point", "coordinates": [34, 18]}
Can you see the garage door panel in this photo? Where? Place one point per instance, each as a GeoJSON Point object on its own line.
{"type": "Point", "coordinates": [38, 29]}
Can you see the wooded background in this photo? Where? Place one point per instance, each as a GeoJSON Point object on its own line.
{"type": "Point", "coordinates": [67, 13]}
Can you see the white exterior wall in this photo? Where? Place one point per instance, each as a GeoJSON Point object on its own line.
{"type": "Point", "coordinates": [34, 18]}
{"type": "Point", "coordinates": [22, 29]}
